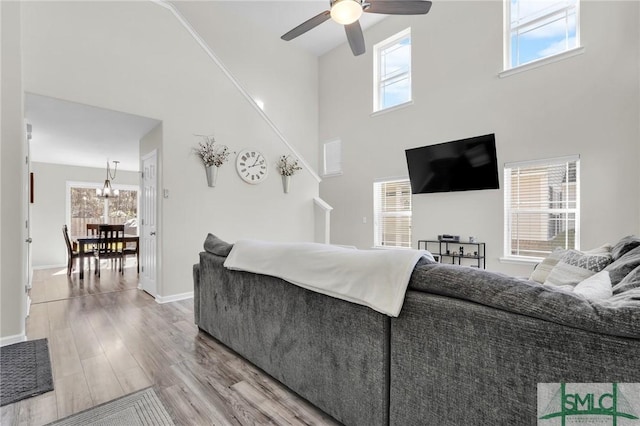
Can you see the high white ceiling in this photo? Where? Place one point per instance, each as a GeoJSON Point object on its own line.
{"type": "Point", "coordinates": [74, 134]}
{"type": "Point", "coordinates": [278, 17]}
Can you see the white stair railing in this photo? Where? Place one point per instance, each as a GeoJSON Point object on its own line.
{"type": "Point", "coordinates": [322, 213]}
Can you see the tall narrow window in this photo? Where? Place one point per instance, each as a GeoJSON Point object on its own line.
{"type": "Point", "coordinates": [392, 213]}
{"type": "Point", "coordinates": [537, 29]}
{"type": "Point", "coordinates": [542, 206]}
{"type": "Point", "coordinates": [392, 71]}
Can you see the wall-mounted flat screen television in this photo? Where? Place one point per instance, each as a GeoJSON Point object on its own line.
{"type": "Point", "coordinates": [462, 165]}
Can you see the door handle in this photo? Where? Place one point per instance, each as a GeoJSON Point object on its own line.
{"type": "Point", "coordinates": [152, 233]}
{"type": "Point", "coordinates": [28, 240]}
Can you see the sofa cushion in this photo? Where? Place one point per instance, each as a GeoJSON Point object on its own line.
{"type": "Point", "coordinates": [620, 268]}
{"type": "Point", "coordinates": [575, 266]}
{"type": "Point", "coordinates": [624, 246]}
{"type": "Point", "coordinates": [215, 245]}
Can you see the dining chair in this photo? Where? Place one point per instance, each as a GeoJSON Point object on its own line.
{"type": "Point", "coordinates": [72, 251]}
{"type": "Point", "coordinates": [92, 229]}
{"type": "Point", "coordinates": [132, 249]}
{"type": "Point", "coordinates": [110, 246]}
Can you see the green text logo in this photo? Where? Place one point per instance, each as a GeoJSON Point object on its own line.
{"type": "Point", "coordinates": [585, 403]}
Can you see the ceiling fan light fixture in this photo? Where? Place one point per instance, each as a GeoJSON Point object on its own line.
{"type": "Point", "coordinates": [346, 12]}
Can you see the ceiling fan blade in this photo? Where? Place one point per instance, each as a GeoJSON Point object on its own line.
{"type": "Point", "coordinates": [307, 25]}
{"type": "Point", "coordinates": [398, 7]}
{"type": "Point", "coordinates": [355, 37]}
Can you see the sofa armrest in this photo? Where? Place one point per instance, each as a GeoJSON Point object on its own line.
{"type": "Point", "coordinates": [331, 352]}
{"type": "Point", "coordinates": [617, 316]}
{"type": "Point", "coordinates": [456, 362]}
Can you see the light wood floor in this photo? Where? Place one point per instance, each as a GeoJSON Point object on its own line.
{"type": "Point", "coordinates": [108, 339]}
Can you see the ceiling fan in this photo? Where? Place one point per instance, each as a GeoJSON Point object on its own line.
{"type": "Point", "coordinates": [347, 13]}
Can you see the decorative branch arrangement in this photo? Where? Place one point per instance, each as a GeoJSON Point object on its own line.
{"type": "Point", "coordinates": [287, 166]}
{"type": "Point", "coordinates": [213, 156]}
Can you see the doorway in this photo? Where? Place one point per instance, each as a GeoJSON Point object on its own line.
{"type": "Point", "coordinates": [73, 142]}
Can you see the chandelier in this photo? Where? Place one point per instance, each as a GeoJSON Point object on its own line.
{"type": "Point", "coordinates": [107, 191]}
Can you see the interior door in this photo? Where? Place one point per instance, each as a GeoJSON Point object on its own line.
{"type": "Point", "coordinates": [148, 226]}
{"type": "Point", "coordinates": [28, 195]}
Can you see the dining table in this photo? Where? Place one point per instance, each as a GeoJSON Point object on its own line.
{"type": "Point", "coordinates": [90, 241]}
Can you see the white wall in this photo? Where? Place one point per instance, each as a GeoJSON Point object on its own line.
{"type": "Point", "coordinates": [12, 278]}
{"type": "Point", "coordinates": [49, 210]}
{"type": "Point", "coordinates": [135, 57]}
{"type": "Point", "coordinates": [585, 105]}
{"type": "Point", "coordinates": [282, 76]}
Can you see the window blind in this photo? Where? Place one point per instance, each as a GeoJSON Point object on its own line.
{"type": "Point", "coordinates": [542, 206]}
{"type": "Point", "coordinates": [392, 213]}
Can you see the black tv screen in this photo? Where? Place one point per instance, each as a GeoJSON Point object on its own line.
{"type": "Point", "coordinates": [462, 165]}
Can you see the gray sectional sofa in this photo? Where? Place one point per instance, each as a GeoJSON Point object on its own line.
{"type": "Point", "coordinates": [468, 348]}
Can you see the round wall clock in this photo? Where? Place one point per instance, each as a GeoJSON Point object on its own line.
{"type": "Point", "coordinates": [251, 166]}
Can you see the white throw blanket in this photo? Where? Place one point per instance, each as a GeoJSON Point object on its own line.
{"type": "Point", "coordinates": [374, 278]}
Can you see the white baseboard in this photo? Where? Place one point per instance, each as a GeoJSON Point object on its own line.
{"type": "Point", "coordinates": [48, 267]}
{"type": "Point", "coordinates": [10, 340]}
{"type": "Point", "coordinates": [174, 297]}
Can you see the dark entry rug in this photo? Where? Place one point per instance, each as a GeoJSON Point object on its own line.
{"type": "Point", "coordinates": [142, 408]}
{"type": "Point", "coordinates": [25, 370]}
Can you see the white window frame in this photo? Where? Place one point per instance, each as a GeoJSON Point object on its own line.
{"type": "Point", "coordinates": [332, 158]}
{"type": "Point", "coordinates": [378, 51]}
{"type": "Point", "coordinates": [378, 214]}
{"type": "Point", "coordinates": [567, 53]}
{"type": "Point", "coordinates": [96, 185]}
{"type": "Point", "coordinates": [508, 256]}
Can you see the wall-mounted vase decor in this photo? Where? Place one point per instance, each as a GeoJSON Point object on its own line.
{"type": "Point", "coordinates": [212, 156]}
{"type": "Point", "coordinates": [286, 183]}
{"type": "Point", "coordinates": [287, 167]}
{"type": "Point", "coordinates": [212, 175]}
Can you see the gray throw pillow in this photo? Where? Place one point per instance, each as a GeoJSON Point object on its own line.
{"type": "Point", "coordinates": [629, 282]}
{"type": "Point", "coordinates": [624, 265]}
{"type": "Point", "coordinates": [215, 245]}
{"type": "Point", "coordinates": [575, 266]}
{"type": "Point", "coordinates": [544, 268]}
{"type": "Point", "coordinates": [624, 246]}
